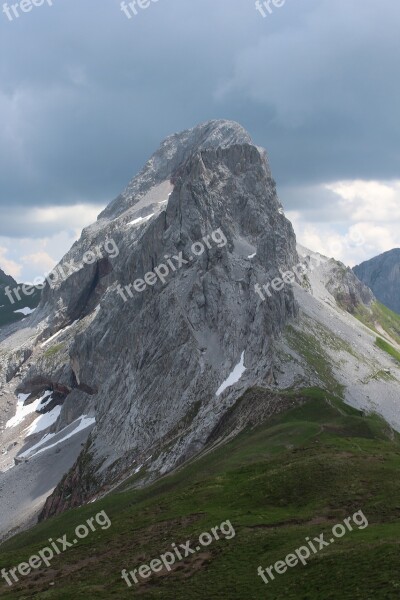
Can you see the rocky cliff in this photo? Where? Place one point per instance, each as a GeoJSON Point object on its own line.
{"type": "Point", "coordinates": [159, 363]}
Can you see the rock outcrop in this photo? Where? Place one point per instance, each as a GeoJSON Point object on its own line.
{"type": "Point", "coordinates": [157, 357]}
{"type": "Point", "coordinates": [153, 340]}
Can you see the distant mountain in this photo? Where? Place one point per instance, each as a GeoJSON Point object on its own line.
{"type": "Point", "coordinates": [10, 312]}
{"type": "Point", "coordinates": [382, 275]}
{"type": "Point", "coordinates": [6, 280]}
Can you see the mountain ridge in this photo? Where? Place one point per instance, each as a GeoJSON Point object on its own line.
{"type": "Point", "coordinates": [135, 381]}
{"type": "Point", "coordinates": [382, 275]}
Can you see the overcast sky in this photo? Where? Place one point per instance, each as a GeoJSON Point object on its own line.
{"type": "Point", "coordinates": [87, 94]}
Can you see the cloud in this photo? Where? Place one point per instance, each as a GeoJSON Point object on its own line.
{"type": "Point", "coordinates": [369, 200]}
{"type": "Point", "coordinates": [40, 261]}
{"type": "Point", "coordinates": [41, 222]}
{"type": "Point", "coordinates": [9, 266]}
{"type": "Point", "coordinates": [41, 237]}
{"type": "Point", "coordinates": [324, 80]}
{"type": "Point", "coordinates": [314, 83]}
{"type": "Point", "coordinates": [366, 221]}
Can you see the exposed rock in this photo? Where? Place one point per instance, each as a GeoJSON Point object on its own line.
{"type": "Point", "coordinates": [347, 289]}
{"type": "Point", "coordinates": [158, 359]}
{"type": "Point", "coordinates": [148, 364]}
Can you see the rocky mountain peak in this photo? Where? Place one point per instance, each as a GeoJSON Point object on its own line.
{"type": "Point", "coordinates": [173, 152]}
{"type": "Point", "coordinates": [148, 361]}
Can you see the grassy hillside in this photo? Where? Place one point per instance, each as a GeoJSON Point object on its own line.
{"type": "Point", "coordinates": [296, 476]}
{"type": "Point", "coordinates": [383, 345]}
{"type": "Point", "coordinates": [380, 315]}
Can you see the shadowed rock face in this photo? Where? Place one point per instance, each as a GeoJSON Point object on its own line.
{"type": "Point", "coordinates": [382, 275]}
{"type": "Point", "coordinates": [6, 280]}
{"type": "Point", "coordinates": [155, 361]}
{"type": "Point", "coordinates": [9, 302]}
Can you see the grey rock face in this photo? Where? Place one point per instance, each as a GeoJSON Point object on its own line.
{"type": "Point", "coordinates": [150, 366]}
{"type": "Point", "coordinates": [172, 154]}
{"type": "Point", "coordinates": [382, 275]}
{"type": "Point", "coordinates": [336, 279]}
{"type": "Point", "coordinates": [346, 288]}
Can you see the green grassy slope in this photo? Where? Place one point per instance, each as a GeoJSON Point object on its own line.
{"type": "Point", "coordinates": [383, 345]}
{"type": "Point", "coordinates": [380, 314]}
{"type": "Point", "coordinates": [295, 476]}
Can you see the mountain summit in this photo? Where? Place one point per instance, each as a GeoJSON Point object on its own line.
{"type": "Point", "coordinates": [156, 366]}
{"type": "Point", "coordinates": [185, 299]}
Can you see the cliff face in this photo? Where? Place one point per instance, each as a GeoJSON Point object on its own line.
{"type": "Point", "coordinates": [382, 275]}
{"type": "Point", "coordinates": [149, 360]}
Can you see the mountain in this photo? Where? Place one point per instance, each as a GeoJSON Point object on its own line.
{"type": "Point", "coordinates": [185, 296]}
{"type": "Point", "coordinates": [14, 307]}
{"type": "Point", "coordinates": [290, 478]}
{"type": "Point", "coordinates": [6, 280]}
{"type": "Point", "coordinates": [382, 275]}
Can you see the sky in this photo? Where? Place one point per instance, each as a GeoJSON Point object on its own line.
{"type": "Point", "coordinates": [88, 91]}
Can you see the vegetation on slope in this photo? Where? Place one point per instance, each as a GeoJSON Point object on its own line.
{"type": "Point", "coordinates": [380, 315]}
{"type": "Point", "coordinates": [383, 345]}
{"type": "Point", "coordinates": [294, 476]}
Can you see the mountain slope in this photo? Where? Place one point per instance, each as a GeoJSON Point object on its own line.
{"type": "Point", "coordinates": [382, 275]}
{"type": "Point", "coordinates": [149, 367]}
{"type": "Point", "coordinates": [137, 380]}
{"type": "Point", "coordinates": [335, 344]}
{"type": "Point", "coordinates": [294, 476]}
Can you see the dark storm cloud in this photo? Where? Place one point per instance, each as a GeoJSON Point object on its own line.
{"type": "Point", "coordinates": [86, 94]}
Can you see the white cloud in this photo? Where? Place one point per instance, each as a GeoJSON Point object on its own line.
{"type": "Point", "coordinates": [45, 221]}
{"type": "Point", "coordinates": [372, 201]}
{"type": "Point", "coordinates": [54, 229]}
{"type": "Point", "coordinates": [366, 224]}
{"type": "Point", "coordinates": [40, 260]}
{"type": "Point", "coordinates": [10, 267]}
{"type": "Point", "coordinates": [68, 217]}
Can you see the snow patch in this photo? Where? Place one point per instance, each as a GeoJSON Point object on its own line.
{"type": "Point", "coordinates": [233, 377]}
{"type": "Point", "coordinates": [58, 333]}
{"type": "Point", "coordinates": [82, 423]}
{"type": "Point", "coordinates": [44, 421]}
{"type": "Point", "coordinates": [45, 399]}
{"type": "Point", "coordinates": [141, 219]}
{"type": "Point", "coordinates": [22, 411]}
{"type": "Point", "coordinates": [25, 311]}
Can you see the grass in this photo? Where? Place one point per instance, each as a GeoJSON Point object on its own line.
{"type": "Point", "coordinates": [54, 350]}
{"type": "Point", "coordinates": [386, 318]}
{"type": "Point", "coordinates": [294, 476]}
{"type": "Point", "coordinates": [384, 345]}
{"type": "Point", "coordinates": [308, 346]}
